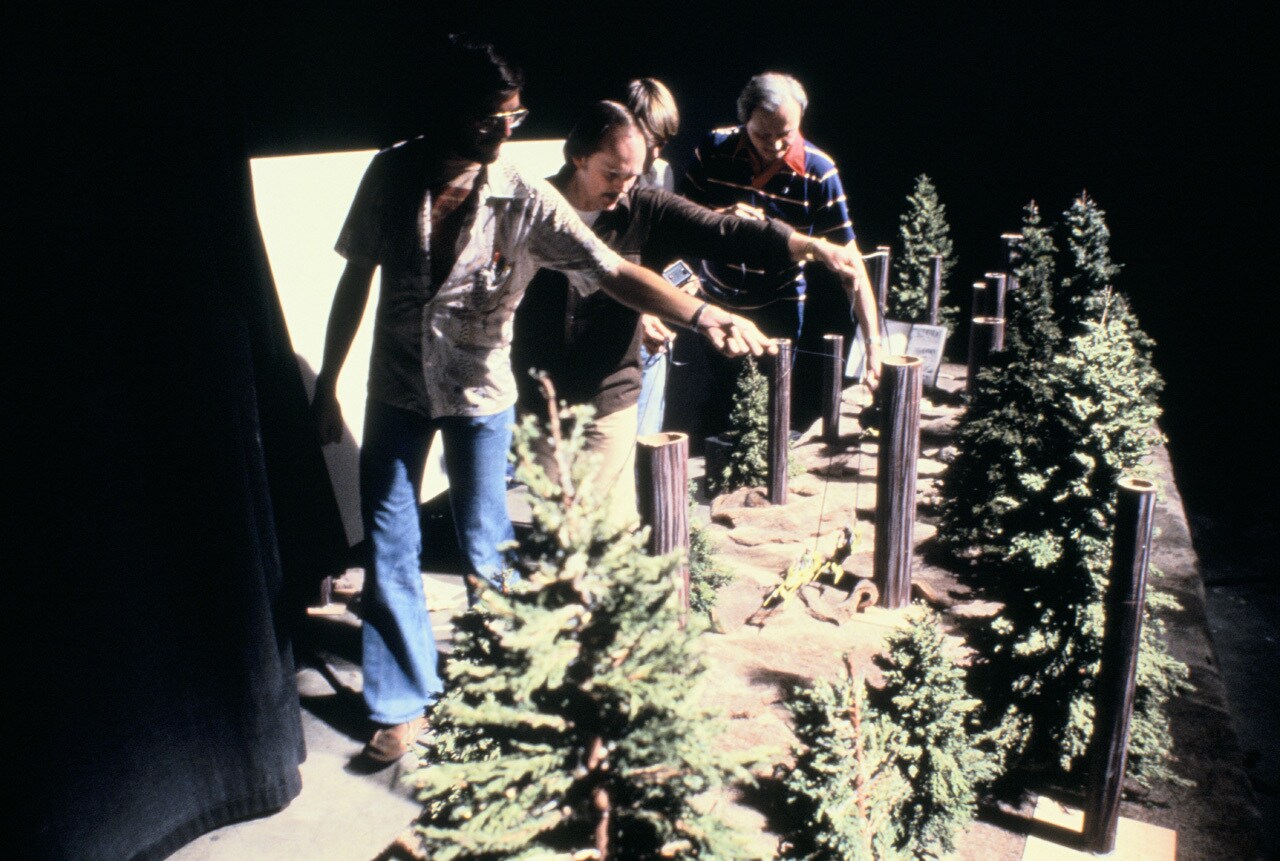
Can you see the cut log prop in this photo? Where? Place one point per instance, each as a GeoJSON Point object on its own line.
{"type": "Point", "coordinates": [1011, 242]}
{"type": "Point", "coordinates": [999, 282]}
{"type": "Point", "coordinates": [900, 381]}
{"type": "Point", "coordinates": [935, 288]}
{"type": "Point", "coordinates": [808, 570]}
{"type": "Point", "coordinates": [1122, 633]}
{"type": "Point", "coordinates": [881, 276]}
{"type": "Point", "coordinates": [978, 307]}
{"type": "Point", "coordinates": [986, 336]}
{"type": "Point", "coordinates": [779, 449]}
{"type": "Point", "coordinates": [662, 490]}
{"type": "Point", "coordinates": [832, 388]}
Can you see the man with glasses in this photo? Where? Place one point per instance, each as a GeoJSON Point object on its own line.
{"type": "Point", "coordinates": [458, 232]}
{"type": "Point", "coordinates": [764, 168]}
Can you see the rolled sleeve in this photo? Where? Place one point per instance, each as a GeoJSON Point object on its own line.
{"type": "Point", "coordinates": [361, 239]}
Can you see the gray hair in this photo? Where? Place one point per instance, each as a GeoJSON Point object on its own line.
{"type": "Point", "coordinates": [770, 91]}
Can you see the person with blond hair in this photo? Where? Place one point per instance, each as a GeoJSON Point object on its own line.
{"type": "Point", "coordinates": [654, 108]}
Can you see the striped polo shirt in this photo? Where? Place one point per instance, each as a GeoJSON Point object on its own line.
{"type": "Point", "coordinates": [806, 196]}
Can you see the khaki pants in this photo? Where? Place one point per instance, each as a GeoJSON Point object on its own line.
{"type": "Point", "coordinates": [612, 439]}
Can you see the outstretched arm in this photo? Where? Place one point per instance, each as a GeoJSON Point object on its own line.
{"type": "Point", "coordinates": [646, 292]}
{"type": "Point", "coordinates": [846, 262]}
{"type": "Point", "coordinates": [344, 319]}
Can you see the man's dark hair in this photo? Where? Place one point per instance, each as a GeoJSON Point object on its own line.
{"type": "Point", "coordinates": [595, 124]}
{"type": "Point", "coordinates": [469, 74]}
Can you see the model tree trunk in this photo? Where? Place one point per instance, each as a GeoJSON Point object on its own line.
{"type": "Point", "coordinates": [779, 421]}
{"type": "Point", "coordinates": [935, 288]}
{"type": "Point", "coordinates": [662, 461]}
{"type": "Point", "coordinates": [978, 307]}
{"type": "Point", "coordinates": [883, 253]}
{"type": "Point", "coordinates": [1123, 606]}
{"type": "Point", "coordinates": [900, 386]}
{"type": "Point", "coordinates": [996, 293]}
{"type": "Point", "coordinates": [986, 336]}
{"type": "Point", "coordinates": [1011, 242]}
{"type": "Point", "coordinates": [832, 388]}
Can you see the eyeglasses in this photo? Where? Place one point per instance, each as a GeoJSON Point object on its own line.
{"type": "Point", "coordinates": [508, 119]}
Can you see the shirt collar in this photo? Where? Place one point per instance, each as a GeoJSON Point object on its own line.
{"type": "Point", "coordinates": [792, 158]}
{"type": "Point", "coordinates": [499, 180]}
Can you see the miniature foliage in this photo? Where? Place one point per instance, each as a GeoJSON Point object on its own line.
{"type": "Point", "coordinates": [748, 464]}
{"type": "Point", "coordinates": [941, 749]}
{"type": "Point", "coordinates": [846, 788]}
{"type": "Point", "coordinates": [1051, 427]}
{"type": "Point", "coordinates": [571, 725]}
{"type": "Point", "coordinates": [706, 573]}
{"type": "Point", "coordinates": [923, 232]}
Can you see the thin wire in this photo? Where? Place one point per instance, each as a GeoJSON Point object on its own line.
{"type": "Point", "coordinates": [857, 486]}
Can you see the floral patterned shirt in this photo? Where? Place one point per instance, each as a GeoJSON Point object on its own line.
{"type": "Point", "coordinates": [444, 349]}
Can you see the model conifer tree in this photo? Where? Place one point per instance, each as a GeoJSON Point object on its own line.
{"type": "Point", "coordinates": [1052, 426]}
{"type": "Point", "coordinates": [846, 789]}
{"type": "Point", "coordinates": [1089, 286]}
{"type": "Point", "coordinates": [941, 749]}
{"type": "Point", "coordinates": [1000, 438]}
{"type": "Point", "coordinates": [706, 573]}
{"type": "Point", "coordinates": [923, 232]}
{"type": "Point", "coordinates": [571, 725]}
{"type": "Point", "coordinates": [748, 464]}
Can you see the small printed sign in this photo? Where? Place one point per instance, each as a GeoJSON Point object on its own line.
{"type": "Point", "coordinates": [923, 341]}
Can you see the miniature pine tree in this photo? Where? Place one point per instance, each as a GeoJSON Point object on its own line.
{"type": "Point", "coordinates": [1053, 424]}
{"type": "Point", "coordinates": [845, 789]}
{"type": "Point", "coordinates": [923, 232]}
{"type": "Point", "coordinates": [748, 464]}
{"type": "Point", "coordinates": [1089, 286]}
{"type": "Point", "coordinates": [571, 727]}
{"type": "Point", "coordinates": [941, 750]}
{"type": "Point", "coordinates": [999, 439]}
{"type": "Point", "coordinates": [1030, 332]}
{"type": "Point", "coordinates": [1053, 563]}
{"type": "Point", "coordinates": [706, 573]}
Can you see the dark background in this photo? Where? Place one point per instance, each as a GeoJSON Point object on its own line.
{"type": "Point", "coordinates": [131, 121]}
{"type": "Point", "coordinates": [1160, 111]}
{"type": "Point", "coordinates": [166, 475]}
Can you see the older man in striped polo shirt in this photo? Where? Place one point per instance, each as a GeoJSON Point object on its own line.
{"type": "Point", "coordinates": [765, 168]}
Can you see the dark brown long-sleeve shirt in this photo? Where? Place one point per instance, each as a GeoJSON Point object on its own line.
{"type": "Point", "coordinates": [590, 345]}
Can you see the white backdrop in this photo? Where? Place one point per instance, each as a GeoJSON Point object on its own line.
{"type": "Point", "coordinates": [301, 203]}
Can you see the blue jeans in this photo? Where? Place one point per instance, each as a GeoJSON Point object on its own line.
{"type": "Point", "coordinates": [401, 676]}
{"type": "Point", "coordinates": [653, 390]}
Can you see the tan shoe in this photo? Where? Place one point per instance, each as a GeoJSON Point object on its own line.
{"type": "Point", "coordinates": [392, 742]}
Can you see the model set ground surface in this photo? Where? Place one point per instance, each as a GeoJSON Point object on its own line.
{"type": "Point", "coordinates": [808, 710]}
{"type": "Point", "coordinates": [756, 667]}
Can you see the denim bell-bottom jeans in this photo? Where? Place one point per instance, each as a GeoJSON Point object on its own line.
{"type": "Point", "coordinates": [401, 675]}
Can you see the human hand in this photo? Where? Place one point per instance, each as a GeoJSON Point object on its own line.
{"type": "Point", "coordinates": [654, 334]}
{"type": "Point", "coordinates": [743, 210]}
{"type": "Point", "coordinates": [840, 259]}
{"type": "Point", "coordinates": [734, 335]}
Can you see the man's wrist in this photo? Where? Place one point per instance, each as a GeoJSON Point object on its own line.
{"type": "Point", "coordinates": [697, 316]}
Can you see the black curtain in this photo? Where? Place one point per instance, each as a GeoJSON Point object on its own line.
{"type": "Point", "coordinates": [174, 510]}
